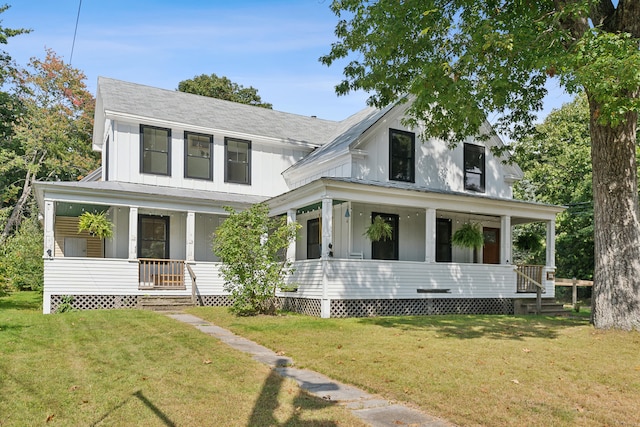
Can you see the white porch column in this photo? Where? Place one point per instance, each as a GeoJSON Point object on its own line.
{"type": "Point", "coordinates": [327, 226]}
{"type": "Point", "coordinates": [551, 243]}
{"type": "Point", "coordinates": [191, 233]}
{"type": "Point", "coordinates": [327, 237]}
{"type": "Point", "coordinates": [430, 235]}
{"type": "Point", "coordinates": [49, 222]}
{"type": "Point", "coordinates": [505, 239]}
{"type": "Point", "coordinates": [133, 232]}
{"type": "Point", "coordinates": [291, 250]}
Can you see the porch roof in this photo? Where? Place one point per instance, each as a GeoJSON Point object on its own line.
{"type": "Point", "coordinates": [409, 195]}
{"type": "Point", "coordinates": [142, 195]}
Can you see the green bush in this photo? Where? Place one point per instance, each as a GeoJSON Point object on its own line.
{"type": "Point", "coordinates": [21, 265]}
{"type": "Point", "coordinates": [251, 247]}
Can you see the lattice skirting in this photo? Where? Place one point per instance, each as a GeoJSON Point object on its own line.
{"type": "Point", "coordinates": [105, 302]}
{"type": "Point", "coordinates": [309, 307]}
{"type": "Point", "coordinates": [214, 300]}
{"type": "Point", "coordinates": [96, 302]}
{"type": "Point", "coordinates": [410, 307]}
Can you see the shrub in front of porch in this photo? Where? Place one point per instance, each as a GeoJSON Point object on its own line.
{"type": "Point", "coordinates": [251, 246]}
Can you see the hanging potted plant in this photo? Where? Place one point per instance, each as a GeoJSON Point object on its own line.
{"type": "Point", "coordinates": [96, 224]}
{"type": "Point", "coordinates": [379, 230]}
{"type": "Point", "coordinates": [469, 236]}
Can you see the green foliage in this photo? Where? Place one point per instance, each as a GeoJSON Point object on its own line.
{"type": "Point", "coordinates": [469, 235]}
{"type": "Point", "coordinates": [250, 245]}
{"type": "Point", "coordinates": [96, 223]}
{"type": "Point", "coordinates": [379, 229]}
{"type": "Point", "coordinates": [51, 138]}
{"type": "Point", "coordinates": [461, 59]}
{"type": "Point", "coordinates": [21, 265]}
{"type": "Point", "coordinates": [66, 304]}
{"type": "Point", "coordinates": [556, 162]}
{"type": "Point", "coordinates": [222, 88]}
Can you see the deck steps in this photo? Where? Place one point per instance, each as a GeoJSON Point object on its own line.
{"type": "Point", "coordinates": [164, 303]}
{"type": "Point", "coordinates": [548, 307]}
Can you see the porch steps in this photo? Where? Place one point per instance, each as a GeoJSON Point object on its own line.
{"type": "Point", "coordinates": [164, 303]}
{"type": "Point", "coordinates": [548, 307]}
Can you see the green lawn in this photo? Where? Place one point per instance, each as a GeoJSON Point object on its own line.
{"type": "Point", "coordinates": [471, 370]}
{"type": "Point", "coordinates": [137, 368]}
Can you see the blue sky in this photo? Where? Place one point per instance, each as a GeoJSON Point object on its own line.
{"type": "Point", "coordinates": [273, 46]}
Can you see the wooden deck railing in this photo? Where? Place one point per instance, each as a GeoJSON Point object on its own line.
{"type": "Point", "coordinates": [529, 278]}
{"type": "Point", "coordinates": [161, 273]}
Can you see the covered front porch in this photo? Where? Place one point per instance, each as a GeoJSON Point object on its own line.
{"type": "Point", "coordinates": [417, 270]}
{"type": "Point", "coordinates": [161, 243]}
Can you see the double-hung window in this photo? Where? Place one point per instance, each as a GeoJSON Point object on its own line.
{"type": "Point", "coordinates": [155, 150]}
{"type": "Point", "coordinates": [237, 167]}
{"type": "Point", "coordinates": [402, 148]}
{"type": "Point", "coordinates": [474, 168]}
{"type": "Point", "coordinates": [198, 158]}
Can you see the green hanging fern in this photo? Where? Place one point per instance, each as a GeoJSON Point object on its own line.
{"type": "Point", "coordinates": [468, 236]}
{"type": "Point", "coordinates": [379, 230]}
{"type": "Point", "coordinates": [96, 224]}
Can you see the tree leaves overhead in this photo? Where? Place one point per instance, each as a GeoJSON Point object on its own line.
{"type": "Point", "coordinates": [52, 135]}
{"type": "Point", "coordinates": [463, 59]}
{"type": "Point", "coordinates": [222, 88]}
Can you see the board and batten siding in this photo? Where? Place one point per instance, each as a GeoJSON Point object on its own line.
{"type": "Point", "coordinates": [66, 227]}
{"type": "Point", "coordinates": [268, 160]}
{"type": "Point", "coordinates": [437, 166]}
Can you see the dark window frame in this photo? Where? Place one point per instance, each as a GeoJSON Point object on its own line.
{"type": "Point", "coordinates": [142, 150]}
{"type": "Point", "coordinates": [444, 251]}
{"type": "Point", "coordinates": [475, 155]}
{"type": "Point", "coordinates": [227, 161]}
{"type": "Point", "coordinates": [314, 248]}
{"type": "Point", "coordinates": [187, 155]}
{"type": "Point", "coordinates": [394, 154]}
{"type": "Point", "coordinates": [394, 219]}
{"type": "Point", "coordinates": [166, 220]}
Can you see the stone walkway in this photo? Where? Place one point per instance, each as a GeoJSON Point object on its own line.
{"type": "Point", "coordinates": [371, 409]}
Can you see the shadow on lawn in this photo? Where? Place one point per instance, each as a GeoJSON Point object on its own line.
{"type": "Point", "coordinates": [486, 326]}
{"type": "Point", "coordinates": [267, 404]}
{"type": "Point", "coordinates": [149, 404]}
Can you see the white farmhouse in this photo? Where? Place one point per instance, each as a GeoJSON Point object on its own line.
{"type": "Point", "coordinates": [172, 161]}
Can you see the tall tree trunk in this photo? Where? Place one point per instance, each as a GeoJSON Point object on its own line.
{"type": "Point", "coordinates": [616, 291]}
{"type": "Point", "coordinates": [16, 214]}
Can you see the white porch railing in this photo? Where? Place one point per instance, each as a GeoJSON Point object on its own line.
{"type": "Point", "coordinates": [114, 276]}
{"type": "Point", "coordinates": [376, 279]}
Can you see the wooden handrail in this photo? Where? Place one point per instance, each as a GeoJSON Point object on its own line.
{"type": "Point", "coordinates": [194, 287]}
{"type": "Point", "coordinates": [539, 287]}
{"type": "Point", "coordinates": [530, 279]}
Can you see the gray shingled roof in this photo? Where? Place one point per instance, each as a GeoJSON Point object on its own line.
{"type": "Point", "coordinates": [349, 132]}
{"type": "Point", "coordinates": [162, 193]}
{"type": "Point", "coordinates": [174, 106]}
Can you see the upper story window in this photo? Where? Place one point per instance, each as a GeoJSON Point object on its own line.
{"type": "Point", "coordinates": [402, 148]}
{"type": "Point", "coordinates": [198, 158]}
{"type": "Point", "coordinates": [155, 150]}
{"type": "Point", "coordinates": [474, 167]}
{"type": "Point", "coordinates": [237, 166]}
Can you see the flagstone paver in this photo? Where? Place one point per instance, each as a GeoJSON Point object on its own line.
{"type": "Point", "coordinates": [374, 410]}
